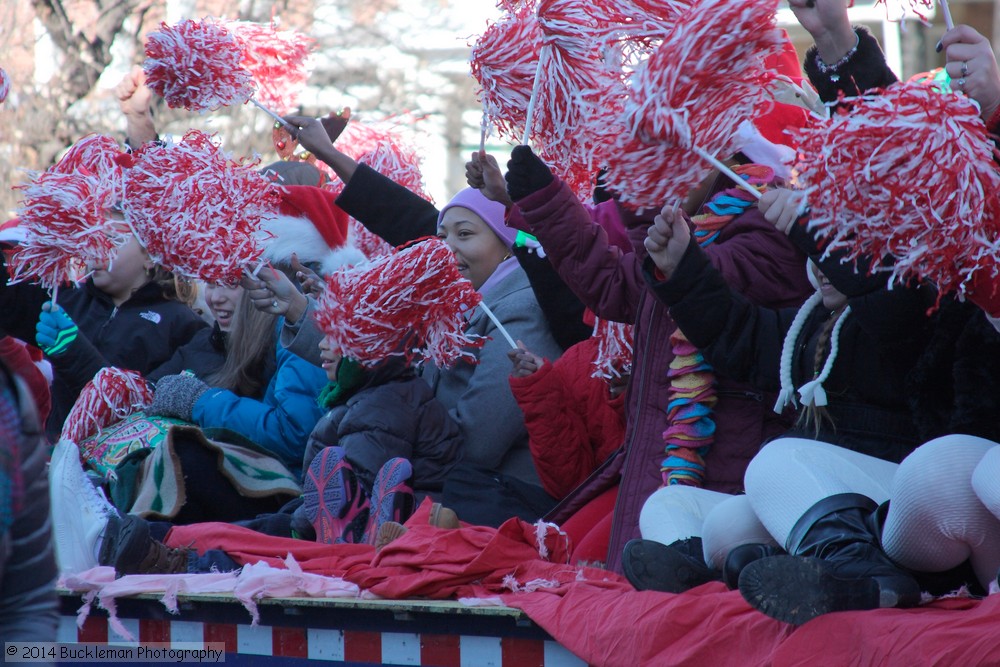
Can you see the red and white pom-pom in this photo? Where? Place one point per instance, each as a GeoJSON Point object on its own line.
{"type": "Point", "coordinates": [372, 245]}
{"type": "Point", "coordinates": [4, 85]}
{"type": "Point", "coordinates": [696, 88]}
{"type": "Point", "coordinates": [98, 156]}
{"type": "Point", "coordinates": [558, 59]}
{"type": "Point", "coordinates": [613, 358]}
{"type": "Point", "coordinates": [409, 304]}
{"type": "Point", "coordinates": [899, 10]}
{"type": "Point", "coordinates": [197, 65]}
{"type": "Point", "coordinates": [113, 395]}
{"type": "Point", "coordinates": [362, 142]}
{"type": "Point", "coordinates": [908, 174]}
{"type": "Point", "coordinates": [503, 61]}
{"type": "Point", "coordinates": [195, 210]}
{"type": "Point", "coordinates": [277, 61]}
{"type": "Point", "coordinates": [398, 162]}
{"type": "Point", "coordinates": [66, 224]}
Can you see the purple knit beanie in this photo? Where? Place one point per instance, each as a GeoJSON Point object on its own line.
{"type": "Point", "coordinates": [490, 211]}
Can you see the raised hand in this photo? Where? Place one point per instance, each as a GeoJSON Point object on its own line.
{"type": "Point", "coordinates": [782, 207]}
{"type": "Point", "coordinates": [972, 67]}
{"type": "Point", "coordinates": [829, 25]}
{"type": "Point", "coordinates": [667, 239]}
{"type": "Point", "coordinates": [482, 172]}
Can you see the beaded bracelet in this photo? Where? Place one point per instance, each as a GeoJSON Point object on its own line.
{"type": "Point", "coordinates": [832, 69]}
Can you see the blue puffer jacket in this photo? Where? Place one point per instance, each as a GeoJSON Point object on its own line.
{"type": "Point", "coordinates": [281, 421]}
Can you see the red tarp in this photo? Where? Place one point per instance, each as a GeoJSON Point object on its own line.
{"type": "Point", "coordinates": [599, 617]}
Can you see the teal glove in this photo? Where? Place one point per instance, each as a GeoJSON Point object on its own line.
{"type": "Point", "coordinates": [55, 330]}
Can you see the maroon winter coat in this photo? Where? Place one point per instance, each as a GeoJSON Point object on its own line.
{"type": "Point", "coordinates": [756, 259]}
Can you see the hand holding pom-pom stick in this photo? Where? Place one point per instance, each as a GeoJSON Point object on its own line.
{"type": "Point", "coordinates": [667, 240]}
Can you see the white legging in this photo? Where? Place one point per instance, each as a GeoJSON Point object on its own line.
{"type": "Point", "coordinates": [790, 475]}
{"type": "Point", "coordinates": [945, 504]}
{"type": "Point", "coordinates": [721, 520]}
{"type": "Point", "coordinates": [945, 496]}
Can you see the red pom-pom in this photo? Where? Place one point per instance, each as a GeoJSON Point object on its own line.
{"type": "Point", "coordinates": [696, 88]}
{"type": "Point", "coordinates": [382, 148]}
{"type": "Point", "coordinates": [613, 358]}
{"type": "Point", "coordinates": [409, 304]}
{"type": "Point", "coordinates": [113, 394]}
{"type": "Point", "coordinates": [195, 210]}
{"type": "Point", "coordinates": [908, 174]}
{"type": "Point", "coordinates": [398, 162]}
{"type": "Point", "coordinates": [553, 60]}
{"type": "Point", "coordinates": [65, 224]}
{"type": "Point", "coordinates": [277, 61]}
{"type": "Point", "coordinates": [98, 156]}
{"type": "Point", "coordinates": [4, 85]}
{"type": "Point", "coordinates": [503, 61]}
{"type": "Point", "coordinates": [65, 213]}
{"type": "Point", "coordinates": [196, 65]}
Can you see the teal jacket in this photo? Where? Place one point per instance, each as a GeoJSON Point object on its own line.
{"type": "Point", "coordinates": [281, 421]}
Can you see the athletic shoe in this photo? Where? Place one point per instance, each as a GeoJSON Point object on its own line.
{"type": "Point", "coordinates": [334, 502]}
{"type": "Point", "coordinates": [392, 498]}
{"type": "Point", "coordinates": [128, 548]}
{"type": "Point", "coordinates": [80, 511]}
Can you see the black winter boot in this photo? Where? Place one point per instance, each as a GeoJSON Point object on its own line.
{"type": "Point", "coordinates": [673, 568]}
{"type": "Point", "coordinates": [837, 564]}
{"type": "Point", "coordinates": [738, 558]}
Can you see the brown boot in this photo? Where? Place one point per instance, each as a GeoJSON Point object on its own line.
{"type": "Point", "coordinates": [439, 517]}
{"type": "Point", "coordinates": [129, 549]}
{"type": "Point", "coordinates": [443, 517]}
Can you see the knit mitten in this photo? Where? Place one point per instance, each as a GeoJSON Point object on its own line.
{"type": "Point", "coordinates": [176, 395]}
{"type": "Point", "coordinates": [55, 330]}
{"type": "Point", "coordinates": [526, 173]}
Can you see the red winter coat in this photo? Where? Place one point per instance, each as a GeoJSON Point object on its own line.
{"type": "Point", "coordinates": [573, 423]}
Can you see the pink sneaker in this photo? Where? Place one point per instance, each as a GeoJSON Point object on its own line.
{"type": "Point", "coordinates": [392, 497]}
{"type": "Point", "coordinates": [333, 500]}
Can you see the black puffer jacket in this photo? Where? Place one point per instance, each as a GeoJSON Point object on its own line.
{"type": "Point", "coordinates": [393, 414]}
{"type": "Point", "coordinates": [879, 343]}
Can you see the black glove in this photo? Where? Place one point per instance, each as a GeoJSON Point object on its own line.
{"type": "Point", "coordinates": [526, 174]}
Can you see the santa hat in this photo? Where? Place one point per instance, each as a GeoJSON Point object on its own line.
{"type": "Point", "coordinates": [309, 224]}
{"type": "Point", "coordinates": [765, 139]}
{"type": "Point", "coordinates": [12, 233]}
